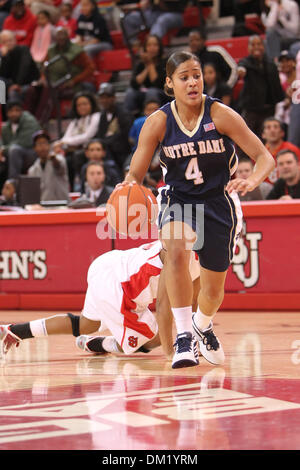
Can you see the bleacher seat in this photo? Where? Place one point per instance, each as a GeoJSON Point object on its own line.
{"type": "Point", "coordinates": [191, 19]}
{"type": "Point", "coordinates": [113, 61]}
{"type": "Point", "coordinates": [237, 46]}
{"type": "Point", "coordinates": [117, 39]}
{"type": "Point", "coordinates": [237, 89]}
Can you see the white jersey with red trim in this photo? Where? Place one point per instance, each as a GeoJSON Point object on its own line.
{"type": "Point", "coordinates": [138, 270]}
{"type": "Point", "coordinates": [121, 287]}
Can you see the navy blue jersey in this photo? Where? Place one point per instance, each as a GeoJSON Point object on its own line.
{"type": "Point", "coordinates": [199, 162]}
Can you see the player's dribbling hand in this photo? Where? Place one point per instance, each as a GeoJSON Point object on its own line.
{"type": "Point", "coordinates": [125, 183]}
{"type": "Point", "coordinates": [242, 186]}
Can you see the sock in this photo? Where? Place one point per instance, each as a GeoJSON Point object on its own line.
{"type": "Point", "coordinates": [183, 319]}
{"type": "Point", "coordinates": [22, 330]}
{"type": "Point", "coordinates": [201, 320]}
{"type": "Point", "coordinates": [38, 328]}
{"type": "Point", "coordinates": [110, 344]}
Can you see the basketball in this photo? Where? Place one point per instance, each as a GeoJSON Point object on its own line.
{"type": "Point", "coordinates": [131, 210]}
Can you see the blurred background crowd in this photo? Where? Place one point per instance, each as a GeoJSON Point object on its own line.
{"type": "Point", "coordinates": [67, 123]}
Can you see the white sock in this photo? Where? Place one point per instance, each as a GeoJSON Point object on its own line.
{"type": "Point", "coordinates": [38, 328]}
{"type": "Point", "coordinates": [183, 319]}
{"type": "Point", "coordinates": [201, 320]}
{"type": "Point", "coordinates": [110, 344]}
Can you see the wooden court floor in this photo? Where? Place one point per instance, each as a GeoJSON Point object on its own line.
{"type": "Point", "coordinates": [54, 396]}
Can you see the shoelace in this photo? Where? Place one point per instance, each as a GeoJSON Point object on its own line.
{"type": "Point", "coordinates": [210, 340]}
{"type": "Point", "coordinates": [183, 344]}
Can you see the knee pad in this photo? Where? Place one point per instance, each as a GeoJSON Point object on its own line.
{"type": "Point", "coordinates": [75, 320]}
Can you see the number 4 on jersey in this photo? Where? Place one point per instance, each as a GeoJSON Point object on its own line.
{"type": "Point", "coordinates": [193, 173]}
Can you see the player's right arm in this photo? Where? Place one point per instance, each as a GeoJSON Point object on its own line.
{"type": "Point", "coordinates": [150, 136]}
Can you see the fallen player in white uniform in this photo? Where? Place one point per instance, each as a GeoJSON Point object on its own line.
{"type": "Point", "coordinates": [121, 287]}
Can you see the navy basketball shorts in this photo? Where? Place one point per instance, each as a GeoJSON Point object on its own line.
{"type": "Point", "coordinates": [217, 221]}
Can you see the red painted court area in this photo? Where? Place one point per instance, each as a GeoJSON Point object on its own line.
{"type": "Point", "coordinates": [54, 396]}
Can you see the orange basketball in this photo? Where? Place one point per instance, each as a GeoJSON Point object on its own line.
{"type": "Point", "coordinates": [131, 210]}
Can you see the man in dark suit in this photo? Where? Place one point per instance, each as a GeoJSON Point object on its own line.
{"type": "Point", "coordinates": [96, 192]}
{"type": "Point", "coordinates": [114, 125]}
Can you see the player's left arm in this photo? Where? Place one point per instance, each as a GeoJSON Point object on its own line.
{"type": "Point", "coordinates": [230, 123]}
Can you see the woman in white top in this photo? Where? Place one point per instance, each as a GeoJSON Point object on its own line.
{"type": "Point", "coordinates": [282, 22]}
{"type": "Point", "coordinates": [79, 132]}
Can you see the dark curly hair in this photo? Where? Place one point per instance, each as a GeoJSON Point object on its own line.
{"type": "Point", "coordinates": [92, 99]}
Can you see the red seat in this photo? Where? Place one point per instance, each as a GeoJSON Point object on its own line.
{"type": "Point", "coordinates": [114, 61]}
{"type": "Point", "coordinates": [237, 47]}
{"type": "Point", "coordinates": [65, 109]}
{"type": "Point", "coordinates": [117, 39]}
{"type": "Point", "coordinates": [191, 17]}
{"type": "Point", "coordinates": [237, 89]}
{"type": "Point", "coordinates": [108, 62]}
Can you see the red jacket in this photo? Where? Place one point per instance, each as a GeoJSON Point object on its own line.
{"type": "Point", "coordinates": [23, 27]}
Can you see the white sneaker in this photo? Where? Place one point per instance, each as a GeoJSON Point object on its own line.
{"type": "Point", "coordinates": [92, 344]}
{"type": "Point", "coordinates": [209, 345]}
{"type": "Point", "coordinates": [8, 339]}
{"type": "Point", "coordinates": [186, 351]}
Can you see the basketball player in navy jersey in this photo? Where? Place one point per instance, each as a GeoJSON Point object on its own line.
{"type": "Point", "coordinates": [196, 134]}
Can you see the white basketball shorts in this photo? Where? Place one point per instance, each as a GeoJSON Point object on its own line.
{"type": "Point", "coordinates": [105, 302]}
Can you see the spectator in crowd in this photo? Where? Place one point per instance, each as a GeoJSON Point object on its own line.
{"type": "Point", "coordinates": [96, 192]}
{"type": "Point", "coordinates": [22, 21]}
{"type": "Point", "coordinates": [262, 88]}
{"type": "Point", "coordinates": [244, 170]}
{"type": "Point", "coordinates": [150, 106]}
{"type": "Point", "coordinates": [160, 17]}
{"type": "Point", "coordinates": [273, 136]}
{"type": "Point", "coordinates": [154, 173]}
{"type": "Point", "coordinates": [82, 128]}
{"type": "Point", "coordinates": [287, 68]}
{"type": "Point", "coordinates": [5, 7]}
{"type": "Point", "coordinates": [96, 151]}
{"type": "Point", "coordinates": [42, 37]}
{"type": "Point", "coordinates": [214, 86]}
{"type": "Point", "coordinates": [148, 77]}
{"type": "Point", "coordinates": [9, 193]}
{"type": "Point", "coordinates": [294, 125]}
{"type": "Point", "coordinates": [282, 22]}
{"type": "Point", "coordinates": [66, 20]}
{"type": "Point", "coordinates": [217, 55]}
{"type": "Point", "coordinates": [17, 68]}
{"type": "Point", "coordinates": [75, 66]}
{"type": "Point", "coordinates": [115, 123]}
{"type": "Point", "coordinates": [242, 8]}
{"type": "Point", "coordinates": [51, 6]}
{"type": "Point", "coordinates": [92, 32]}
{"type": "Point", "coordinates": [51, 168]}
{"type": "Point", "coordinates": [288, 184]}
{"type": "Point", "coordinates": [17, 146]}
